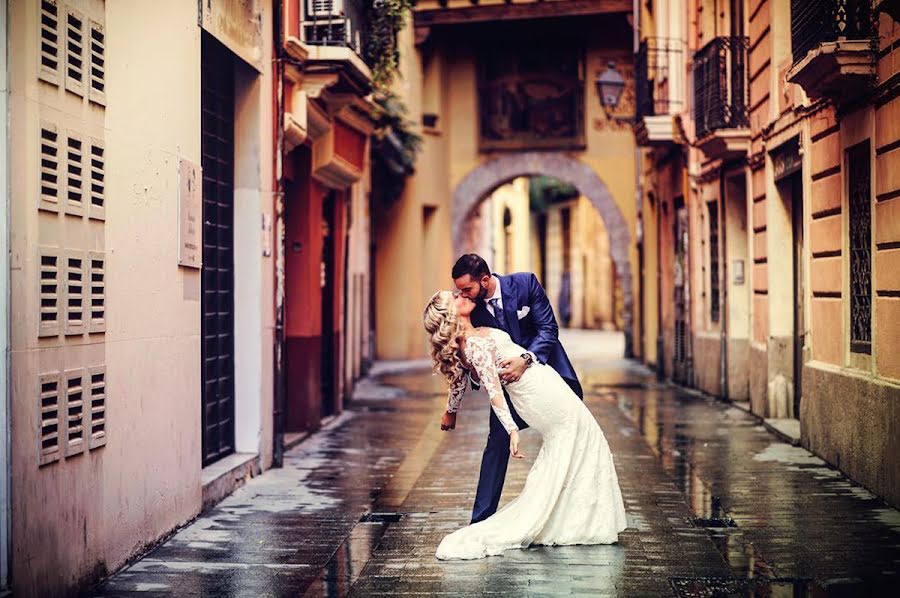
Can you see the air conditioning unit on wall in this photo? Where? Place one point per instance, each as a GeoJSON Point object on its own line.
{"type": "Point", "coordinates": [324, 8]}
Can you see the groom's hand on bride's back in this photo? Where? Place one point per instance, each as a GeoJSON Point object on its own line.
{"type": "Point", "coordinates": [448, 421]}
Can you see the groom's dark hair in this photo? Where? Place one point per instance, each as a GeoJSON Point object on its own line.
{"type": "Point", "coordinates": [471, 264]}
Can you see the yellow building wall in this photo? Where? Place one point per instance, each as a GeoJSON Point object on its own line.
{"type": "Point", "coordinates": [451, 153]}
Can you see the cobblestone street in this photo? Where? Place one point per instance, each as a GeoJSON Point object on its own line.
{"type": "Point", "coordinates": [715, 503]}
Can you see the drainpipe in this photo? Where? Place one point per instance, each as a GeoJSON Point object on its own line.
{"type": "Point", "coordinates": [638, 311]}
{"type": "Point", "coordinates": [5, 369]}
{"type": "Point", "coordinates": [660, 346]}
{"type": "Point", "coordinates": [688, 303]}
{"type": "Point", "coordinates": [723, 288]}
{"type": "Point", "coordinates": [279, 375]}
{"type": "Point", "coordinates": [5, 386]}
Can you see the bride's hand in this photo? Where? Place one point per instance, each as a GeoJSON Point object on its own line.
{"type": "Point", "coordinates": [514, 445]}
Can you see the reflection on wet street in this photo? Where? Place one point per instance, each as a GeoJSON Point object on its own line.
{"type": "Point", "coordinates": [717, 506]}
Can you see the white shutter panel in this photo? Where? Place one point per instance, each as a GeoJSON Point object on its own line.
{"type": "Point", "coordinates": [97, 270]}
{"type": "Point", "coordinates": [74, 174]}
{"type": "Point", "coordinates": [97, 182]}
{"type": "Point", "coordinates": [49, 171]}
{"type": "Point", "coordinates": [74, 411]}
{"type": "Point", "coordinates": [75, 52]}
{"type": "Point", "coordinates": [50, 291]}
{"type": "Point", "coordinates": [49, 40]}
{"type": "Point", "coordinates": [48, 417]}
{"type": "Point", "coordinates": [75, 293]}
{"type": "Point", "coordinates": [97, 64]}
{"type": "Point", "coordinates": [97, 376]}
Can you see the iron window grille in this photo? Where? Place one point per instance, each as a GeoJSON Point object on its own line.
{"type": "Point", "coordinates": [654, 90]}
{"type": "Point", "coordinates": [814, 22]}
{"type": "Point", "coordinates": [720, 85]}
{"type": "Point", "coordinates": [859, 167]}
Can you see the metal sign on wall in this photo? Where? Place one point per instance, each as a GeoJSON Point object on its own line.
{"type": "Point", "coordinates": [190, 214]}
{"type": "Point", "coordinates": [238, 25]}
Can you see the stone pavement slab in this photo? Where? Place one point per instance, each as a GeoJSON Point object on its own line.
{"type": "Point", "coordinates": [716, 505]}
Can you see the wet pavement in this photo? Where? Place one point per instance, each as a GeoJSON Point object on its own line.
{"type": "Point", "coordinates": [717, 506]}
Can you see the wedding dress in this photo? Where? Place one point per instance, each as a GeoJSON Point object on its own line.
{"type": "Point", "coordinates": [571, 495]}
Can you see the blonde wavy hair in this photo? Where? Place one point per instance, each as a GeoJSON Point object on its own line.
{"type": "Point", "coordinates": [442, 324]}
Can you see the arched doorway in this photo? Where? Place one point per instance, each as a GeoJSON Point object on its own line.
{"type": "Point", "coordinates": [479, 183]}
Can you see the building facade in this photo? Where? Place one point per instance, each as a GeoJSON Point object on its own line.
{"type": "Point", "coordinates": [324, 218]}
{"type": "Point", "coordinates": [768, 215]}
{"type": "Point", "coordinates": [490, 111]}
{"type": "Point", "coordinates": [140, 283]}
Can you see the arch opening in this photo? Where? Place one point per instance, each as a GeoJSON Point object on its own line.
{"type": "Point", "coordinates": [479, 184]}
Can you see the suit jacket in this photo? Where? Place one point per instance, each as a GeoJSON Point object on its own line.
{"type": "Point", "coordinates": [535, 330]}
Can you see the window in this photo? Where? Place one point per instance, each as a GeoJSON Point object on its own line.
{"type": "Point", "coordinates": [74, 381]}
{"type": "Point", "coordinates": [74, 293]}
{"type": "Point", "coordinates": [860, 200]}
{"type": "Point", "coordinates": [49, 69]}
{"type": "Point", "coordinates": [713, 208]}
{"type": "Point", "coordinates": [74, 175]}
{"type": "Point", "coordinates": [49, 292]}
{"type": "Point", "coordinates": [48, 416]}
{"type": "Point", "coordinates": [75, 52]}
{"type": "Point", "coordinates": [97, 91]}
{"type": "Point", "coordinates": [97, 208]}
{"type": "Point", "coordinates": [97, 424]}
{"type": "Point", "coordinates": [566, 216]}
{"type": "Point", "coordinates": [49, 168]}
{"type": "Point", "coordinates": [97, 322]}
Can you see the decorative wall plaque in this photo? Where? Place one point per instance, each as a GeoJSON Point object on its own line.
{"type": "Point", "coordinates": [190, 214]}
{"type": "Point", "coordinates": [531, 96]}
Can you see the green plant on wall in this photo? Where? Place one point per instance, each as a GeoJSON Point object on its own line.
{"type": "Point", "coordinates": [394, 144]}
{"type": "Point", "coordinates": [386, 19]}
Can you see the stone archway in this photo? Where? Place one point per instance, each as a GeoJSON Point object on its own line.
{"type": "Point", "coordinates": [479, 183]}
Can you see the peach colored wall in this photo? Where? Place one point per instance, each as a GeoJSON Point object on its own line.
{"type": "Point", "coordinates": [825, 247]}
{"type": "Point", "coordinates": [107, 503]}
{"type": "Point", "coordinates": [103, 506]}
{"type": "Point", "coordinates": [886, 257]}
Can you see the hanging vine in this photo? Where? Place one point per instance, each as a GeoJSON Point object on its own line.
{"type": "Point", "coordinates": [386, 19]}
{"type": "Point", "coordinates": [395, 144]}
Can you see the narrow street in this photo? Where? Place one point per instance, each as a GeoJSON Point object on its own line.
{"type": "Point", "coordinates": [716, 503]}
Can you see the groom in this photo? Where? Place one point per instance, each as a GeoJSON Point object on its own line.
{"type": "Point", "coordinates": [518, 305]}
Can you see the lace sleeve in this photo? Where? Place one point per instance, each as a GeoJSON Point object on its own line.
{"type": "Point", "coordinates": [454, 397]}
{"type": "Point", "coordinates": [482, 354]}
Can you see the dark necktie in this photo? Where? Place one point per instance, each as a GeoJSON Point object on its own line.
{"type": "Point", "coordinates": [498, 314]}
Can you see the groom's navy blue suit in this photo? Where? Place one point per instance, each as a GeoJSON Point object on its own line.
{"type": "Point", "coordinates": [538, 332]}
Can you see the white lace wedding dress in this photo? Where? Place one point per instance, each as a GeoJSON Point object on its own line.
{"type": "Point", "coordinates": [572, 493]}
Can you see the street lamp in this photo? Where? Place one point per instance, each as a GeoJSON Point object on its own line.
{"type": "Point", "coordinates": [610, 85]}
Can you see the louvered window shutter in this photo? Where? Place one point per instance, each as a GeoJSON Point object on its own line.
{"type": "Point", "coordinates": [49, 393]}
{"type": "Point", "coordinates": [49, 67]}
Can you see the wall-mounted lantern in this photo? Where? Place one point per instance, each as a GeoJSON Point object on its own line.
{"type": "Point", "coordinates": [610, 85]}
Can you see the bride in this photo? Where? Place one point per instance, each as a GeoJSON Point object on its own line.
{"type": "Point", "coordinates": [571, 495]}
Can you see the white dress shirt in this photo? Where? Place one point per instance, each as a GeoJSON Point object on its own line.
{"type": "Point", "coordinates": [497, 295]}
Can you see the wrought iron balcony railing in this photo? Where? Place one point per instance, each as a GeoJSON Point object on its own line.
{"type": "Point", "coordinates": [340, 23]}
{"type": "Point", "coordinates": [657, 71]}
{"type": "Point", "coordinates": [720, 85]}
{"type": "Point", "coordinates": [814, 22]}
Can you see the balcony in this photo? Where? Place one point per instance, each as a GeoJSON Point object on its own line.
{"type": "Point", "coordinates": [332, 35]}
{"type": "Point", "coordinates": [721, 115]}
{"type": "Point", "coordinates": [432, 13]}
{"type": "Point", "coordinates": [833, 47]}
{"type": "Point", "coordinates": [659, 90]}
